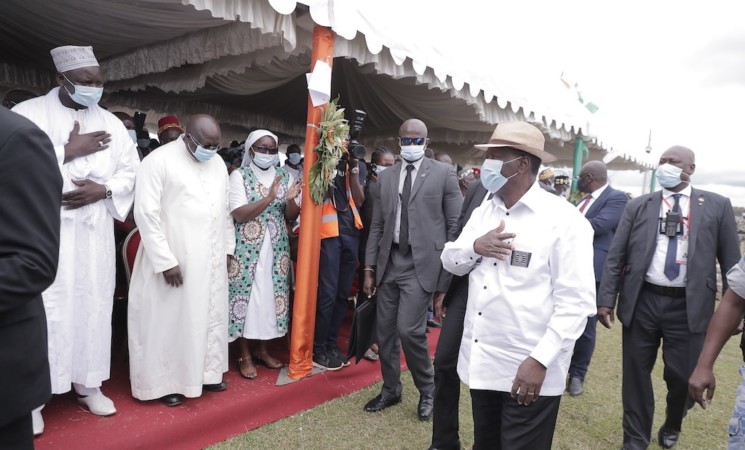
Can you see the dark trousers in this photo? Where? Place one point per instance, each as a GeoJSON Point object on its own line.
{"type": "Point", "coordinates": [500, 423]}
{"type": "Point", "coordinates": [447, 383]}
{"type": "Point", "coordinates": [656, 318]}
{"type": "Point", "coordinates": [584, 347]}
{"type": "Point", "coordinates": [402, 323]}
{"type": "Point", "coordinates": [17, 435]}
{"type": "Point", "coordinates": [337, 267]}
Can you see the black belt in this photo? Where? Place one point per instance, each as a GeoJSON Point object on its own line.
{"type": "Point", "coordinates": [668, 291]}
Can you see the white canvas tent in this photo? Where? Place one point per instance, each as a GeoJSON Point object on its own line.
{"type": "Point", "coordinates": [244, 61]}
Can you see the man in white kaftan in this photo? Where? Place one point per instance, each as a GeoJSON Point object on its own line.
{"type": "Point", "coordinates": [97, 160]}
{"type": "Point", "coordinates": [178, 295]}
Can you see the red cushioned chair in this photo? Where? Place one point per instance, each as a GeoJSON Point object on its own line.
{"type": "Point", "coordinates": [129, 251]}
{"type": "Point", "coordinates": [119, 320]}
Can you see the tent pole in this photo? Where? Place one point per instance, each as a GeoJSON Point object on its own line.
{"type": "Point", "coordinates": [309, 246]}
{"type": "Point", "coordinates": [578, 144]}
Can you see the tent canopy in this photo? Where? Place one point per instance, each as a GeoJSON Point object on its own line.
{"type": "Point", "coordinates": [244, 62]}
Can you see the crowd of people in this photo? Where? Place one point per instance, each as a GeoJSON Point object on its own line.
{"type": "Point", "coordinates": [481, 253]}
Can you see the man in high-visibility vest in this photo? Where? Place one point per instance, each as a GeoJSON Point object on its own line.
{"type": "Point", "coordinates": [340, 237]}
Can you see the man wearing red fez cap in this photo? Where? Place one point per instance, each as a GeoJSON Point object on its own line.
{"type": "Point", "coordinates": [169, 129]}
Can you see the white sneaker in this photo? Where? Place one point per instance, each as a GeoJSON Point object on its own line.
{"type": "Point", "coordinates": [38, 421]}
{"type": "Point", "coordinates": [98, 404]}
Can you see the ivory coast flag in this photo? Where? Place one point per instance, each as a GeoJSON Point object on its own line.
{"type": "Point", "coordinates": [574, 87]}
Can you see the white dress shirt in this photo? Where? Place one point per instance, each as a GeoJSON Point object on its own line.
{"type": "Point", "coordinates": [593, 196]}
{"type": "Point", "coordinates": [401, 180]}
{"type": "Point", "coordinates": [515, 312]}
{"type": "Point", "coordinates": [656, 272]}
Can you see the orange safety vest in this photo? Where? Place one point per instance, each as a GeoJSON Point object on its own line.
{"type": "Point", "coordinates": [330, 219]}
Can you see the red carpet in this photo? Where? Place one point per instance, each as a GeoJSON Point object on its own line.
{"type": "Point", "coordinates": [215, 417]}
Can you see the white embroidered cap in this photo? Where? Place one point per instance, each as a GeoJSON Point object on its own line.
{"type": "Point", "coordinates": [70, 57]}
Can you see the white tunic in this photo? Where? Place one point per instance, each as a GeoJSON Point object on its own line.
{"type": "Point", "coordinates": [261, 315]}
{"type": "Point", "coordinates": [79, 303]}
{"type": "Point", "coordinates": [536, 307]}
{"type": "Point", "coordinates": [178, 336]}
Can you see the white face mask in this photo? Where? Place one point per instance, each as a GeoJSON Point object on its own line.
{"type": "Point", "coordinates": [668, 175]}
{"type": "Point", "coordinates": [412, 153]}
{"type": "Point", "coordinates": [379, 169]}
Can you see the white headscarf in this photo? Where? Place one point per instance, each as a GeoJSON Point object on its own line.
{"type": "Point", "coordinates": [251, 139]}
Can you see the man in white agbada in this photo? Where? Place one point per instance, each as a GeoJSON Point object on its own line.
{"type": "Point", "coordinates": [97, 160]}
{"type": "Point", "coordinates": [178, 294]}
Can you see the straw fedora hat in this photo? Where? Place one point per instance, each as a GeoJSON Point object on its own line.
{"type": "Point", "coordinates": [520, 135]}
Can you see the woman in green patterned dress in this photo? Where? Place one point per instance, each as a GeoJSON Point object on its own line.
{"type": "Point", "coordinates": [262, 198]}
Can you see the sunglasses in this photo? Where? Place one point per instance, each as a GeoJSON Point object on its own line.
{"type": "Point", "coordinates": [412, 141]}
{"type": "Point", "coordinates": [212, 148]}
{"type": "Point", "coordinates": [265, 150]}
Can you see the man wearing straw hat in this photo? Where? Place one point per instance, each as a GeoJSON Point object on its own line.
{"type": "Point", "coordinates": [97, 160]}
{"type": "Point", "coordinates": [531, 289]}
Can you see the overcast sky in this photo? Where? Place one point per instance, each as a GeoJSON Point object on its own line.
{"type": "Point", "coordinates": [675, 67]}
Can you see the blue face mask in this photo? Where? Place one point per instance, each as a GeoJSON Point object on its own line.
{"type": "Point", "coordinates": [264, 161]}
{"type": "Point", "coordinates": [84, 95]}
{"type": "Point", "coordinates": [202, 154]}
{"type": "Point", "coordinates": [412, 153]}
{"type": "Point", "coordinates": [668, 175]}
{"type": "Point", "coordinates": [294, 158]}
{"type": "Point", "coordinates": [491, 174]}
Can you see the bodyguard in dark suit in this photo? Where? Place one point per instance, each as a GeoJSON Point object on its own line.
{"type": "Point", "coordinates": [602, 206]}
{"type": "Point", "coordinates": [31, 186]}
{"type": "Point", "coordinates": [416, 206]}
{"type": "Point", "coordinates": [447, 383]}
{"type": "Point", "coordinates": [662, 266]}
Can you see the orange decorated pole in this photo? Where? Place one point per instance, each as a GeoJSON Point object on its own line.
{"type": "Point", "coordinates": [309, 246]}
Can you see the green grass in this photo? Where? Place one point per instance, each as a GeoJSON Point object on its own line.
{"type": "Point", "coordinates": [590, 421]}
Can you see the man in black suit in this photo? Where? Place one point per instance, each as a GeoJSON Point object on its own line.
{"type": "Point", "coordinates": [447, 383]}
{"type": "Point", "coordinates": [662, 266]}
{"type": "Point", "coordinates": [416, 206]}
{"type": "Point", "coordinates": [31, 187]}
{"type": "Point", "coordinates": [602, 206]}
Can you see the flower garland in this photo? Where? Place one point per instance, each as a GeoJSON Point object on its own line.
{"type": "Point", "coordinates": [332, 144]}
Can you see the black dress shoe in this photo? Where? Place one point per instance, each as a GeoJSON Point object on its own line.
{"type": "Point", "coordinates": [424, 410]}
{"type": "Point", "coordinates": [380, 403]}
{"type": "Point", "coordinates": [217, 387]}
{"type": "Point", "coordinates": [667, 438]}
{"type": "Point", "coordinates": [575, 387]}
{"type": "Point", "coordinates": [172, 399]}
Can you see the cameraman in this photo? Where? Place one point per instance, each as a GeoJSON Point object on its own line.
{"type": "Point", "coordinates": [340, 235]}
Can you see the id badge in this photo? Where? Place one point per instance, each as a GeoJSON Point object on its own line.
{"type": "Point", "coordinates": [520, 259]}
{"type": "Point", "coordinates": [681, 256]}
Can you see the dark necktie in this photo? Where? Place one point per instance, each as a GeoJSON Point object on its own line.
{"type": "Point", "coordinates": [403, 234]}
{"type": "Point", "coordinates": [585, 202]}
{"type": "Point", "coordinates": [672, 268]}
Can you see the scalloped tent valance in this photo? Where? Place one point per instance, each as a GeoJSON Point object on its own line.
{"type": "Point", "coordinates": [244, 62]}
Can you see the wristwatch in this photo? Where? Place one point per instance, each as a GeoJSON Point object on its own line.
{"type": "Point", "coordinates": [108, 191]}
{"type": "Point", "coordinates": [354, 170]}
